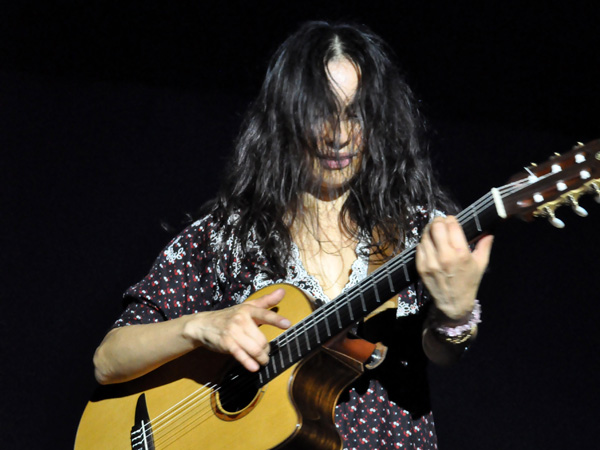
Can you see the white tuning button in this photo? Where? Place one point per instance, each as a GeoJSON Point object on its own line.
{"type": "Point", "coordinates": [579, 211]}
{"type": "Point", "coordinates": [555, 221]}
{"type": "Point", "coordinates": [576, 208]}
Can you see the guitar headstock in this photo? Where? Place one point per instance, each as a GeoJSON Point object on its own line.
{"type": "Point", "coordinates": [562, 180]}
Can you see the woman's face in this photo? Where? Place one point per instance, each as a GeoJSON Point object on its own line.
{"type": "Point", "coordinates": [340, 149]}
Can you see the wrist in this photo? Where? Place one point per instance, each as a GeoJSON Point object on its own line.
{"type": "Point", "coordinates": [190, 329]}
{"type": "Point", "coordinates": [456, 331]}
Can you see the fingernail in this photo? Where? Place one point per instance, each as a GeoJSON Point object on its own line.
{"type": "Point", "coordinates": [285, 323]}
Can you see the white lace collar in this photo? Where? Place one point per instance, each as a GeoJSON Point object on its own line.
{"type": "Point", "coordinates": [297, 274]}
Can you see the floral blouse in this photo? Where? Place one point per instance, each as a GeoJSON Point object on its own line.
{"type": "Point", "coordinates": [386, 408]}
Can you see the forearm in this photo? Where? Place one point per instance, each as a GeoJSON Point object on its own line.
{"type": "Point", "coordinates": [132, 351]}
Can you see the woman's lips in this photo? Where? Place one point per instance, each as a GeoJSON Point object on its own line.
{"type": "Point", "coordinates": [337, 162]}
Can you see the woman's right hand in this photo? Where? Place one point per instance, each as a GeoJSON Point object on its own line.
{"type": "Point", "coordinates": [235, 330]}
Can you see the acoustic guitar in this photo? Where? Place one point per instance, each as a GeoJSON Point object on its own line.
{"type": "Point", "coordinates": [205, 400]}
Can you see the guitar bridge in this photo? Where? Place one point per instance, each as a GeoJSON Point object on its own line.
{"type": "Point", "coordinates": [141, 432]}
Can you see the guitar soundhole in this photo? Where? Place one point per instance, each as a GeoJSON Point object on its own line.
{"type": "Point", "coordinates": [238, 390]}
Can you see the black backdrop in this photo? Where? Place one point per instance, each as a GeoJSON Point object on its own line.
{"type": "Point", "coordinates": [115, 117]}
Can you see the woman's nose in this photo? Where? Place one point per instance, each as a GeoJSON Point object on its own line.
{"type": "Point", "coordinates": [340, 137]}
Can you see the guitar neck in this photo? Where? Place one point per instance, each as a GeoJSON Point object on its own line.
{"type": "Point", "coordinates": [536, 192]}
{"type": "Point", "coordinates": [353, 305]}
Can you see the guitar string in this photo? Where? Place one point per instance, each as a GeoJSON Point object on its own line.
{"type": "Point", "coordinates": [190, 417]}
{"type": "Point", "coordinates": [321, 313]}
{"type": "Point", "coordinates": [285, 338]}
{"type": "Point", "coordinates": [291, 336]}
{"type": "Point", "coordinates": [170, 414]}
{"type": "Point", "coordinates": [314, 319]}
{"type": "Point", "coordinates": [486, 201]}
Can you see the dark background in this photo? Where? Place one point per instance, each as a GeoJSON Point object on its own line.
{"type": "Point", "coordinates": [117, 116]}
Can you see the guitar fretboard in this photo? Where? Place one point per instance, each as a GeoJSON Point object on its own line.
{"type": "Point", "coordinates": [349, 307]}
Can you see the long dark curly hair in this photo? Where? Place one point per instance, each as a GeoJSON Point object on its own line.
{"type": "Point", "coordinates": [271, 166]}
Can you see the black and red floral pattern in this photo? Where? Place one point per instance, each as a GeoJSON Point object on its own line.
{"type": "Point", "coordinates": [189, 277]}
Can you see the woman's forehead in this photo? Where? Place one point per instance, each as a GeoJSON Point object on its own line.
{"type": "Point", "coordinates": [343, 78]}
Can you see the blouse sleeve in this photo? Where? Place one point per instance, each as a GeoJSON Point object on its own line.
{"type": "Point", "coordinates": [183, 280]}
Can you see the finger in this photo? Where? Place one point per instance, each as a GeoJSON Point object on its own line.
{"type": "Point", "coordinates": [248, 335]}
{"type": "Point", "coordinates": [451, 244]}
{"type": "Point", "coordinates": [456, 235]}
{"type": "Point", "coordinates": [254, 343]}
{"type": "Point", "coordinates": [263, 315]}
{"type": "Point", "coordinates": [269, 300]}
{"type": "Point", "coordinates": [482, 251]}
{"type": "Point", "coordinates": [438, 232]}
{"type": "Point", "coordinates": [245, 341]}
{"type": "Point", "coordinates": [244, 359]}
{"type": "Point", "coordinates": [268, 317]}
{"type": "Point", "coordinates": [428, 255]}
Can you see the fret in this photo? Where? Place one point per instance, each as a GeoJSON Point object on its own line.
{"type": "Point", "coordinates": [389, 277]}
{"type": "Point", "coordinates": [476, 217]}
{"type": "Point", "coordinates": [349, 304]}
{"type": "Point", "coordinates": [376, 295]}
{"type": "Point", "coordinates": [297, 345]}
{"type": "Point", "coordinates": [327, 326]}
{"type": "Point", "coordinates": [406, 273]}
{"type": "Point", "coordinates": [339, 320]}
{"type": "Point", "coordinates": [289, 352]}
{"type": "Point", "coordinates": [316, 328]}
{"type": "Point", "coordinates": [307, 340]}
{"type": "Point", "coordinates": [362, 297]}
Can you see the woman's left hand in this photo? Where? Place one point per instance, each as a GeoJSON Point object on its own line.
{"type": "Point", "coordinates": [450, 271]}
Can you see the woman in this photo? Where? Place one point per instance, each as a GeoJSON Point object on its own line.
{"type": "Point", "coordinates": [327, 176]}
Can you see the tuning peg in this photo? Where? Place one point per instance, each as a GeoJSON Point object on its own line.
{"type": "Point", "coordinates": [576, 208]}
{"type": "Point", "coordinates": [596, 187]}
{"type": "Point", "coordinates": [555, 221]}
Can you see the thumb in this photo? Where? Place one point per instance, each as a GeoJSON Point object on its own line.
{"type": "Point", "coordinates": [482, 251]}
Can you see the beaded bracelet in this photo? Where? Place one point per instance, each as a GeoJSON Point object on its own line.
{"type": "Point", "coordinates": [461, 333]}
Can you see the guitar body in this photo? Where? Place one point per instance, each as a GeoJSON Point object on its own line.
{"type": "Point", "coordinates": [293, 411]}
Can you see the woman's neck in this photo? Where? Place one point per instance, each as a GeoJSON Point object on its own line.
{"type": "Point", "coordinates": [324, 212]}
{"type": "Point", "coordinates": [320, 219]}
{"type": "Point", "coordinates": [327, 248]}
